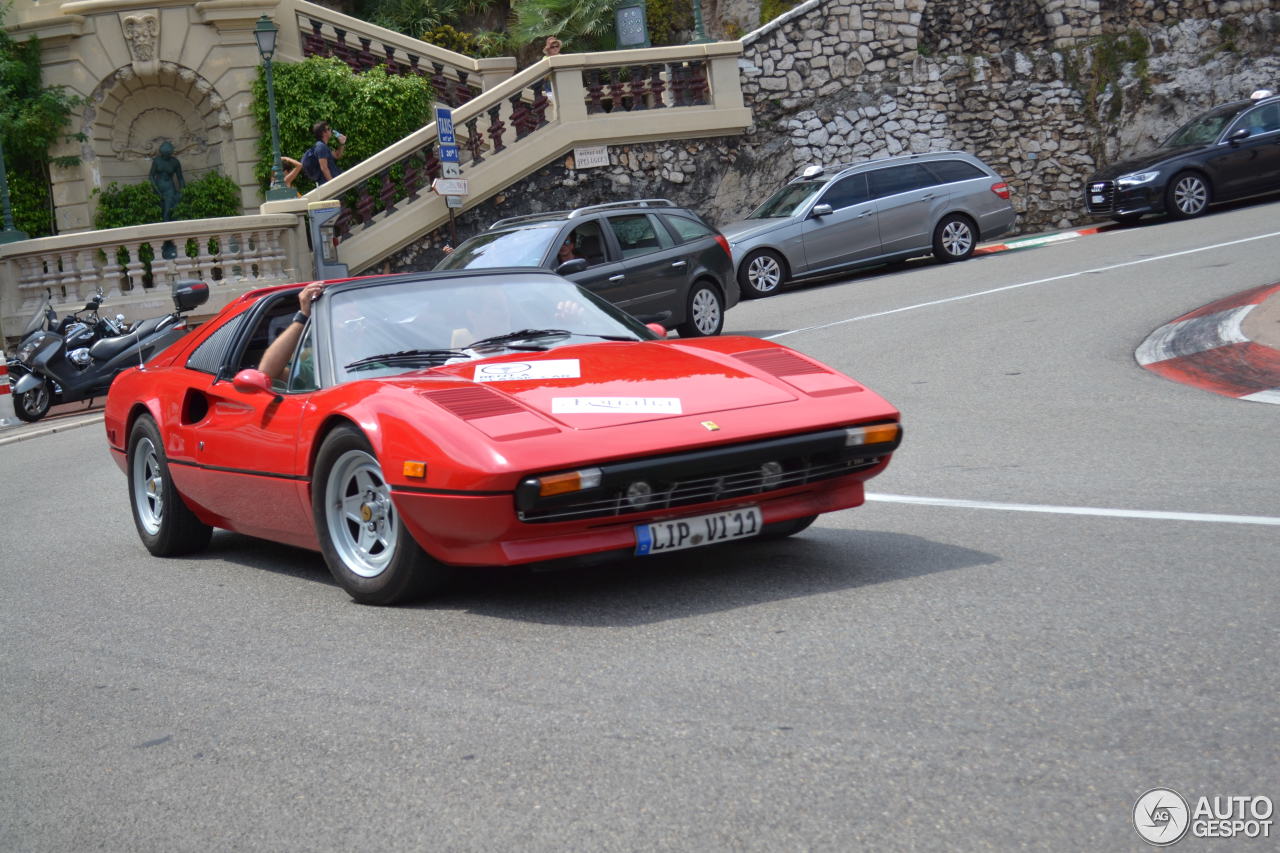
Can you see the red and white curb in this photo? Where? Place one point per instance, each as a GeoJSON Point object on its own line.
{"type": "Point", "coordinates": [1041, 240]}
{"type": "Point", "coordinates": [1208, 349]}
{"type": "Point", "coordinates": [7, 417]}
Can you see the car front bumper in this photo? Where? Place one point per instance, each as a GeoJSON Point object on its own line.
{"type": "Point", "coordinates": [483, 530]}
{"type": "Point", "coordinates": [1104, 198]}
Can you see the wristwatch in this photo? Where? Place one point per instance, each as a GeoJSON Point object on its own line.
{"type": "Point", "coordinates": [300, 318]}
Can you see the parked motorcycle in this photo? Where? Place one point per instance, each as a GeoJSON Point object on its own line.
{"type": "Point", "coordinates": [51, 367]}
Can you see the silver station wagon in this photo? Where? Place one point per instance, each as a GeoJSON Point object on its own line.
{"type": "Point", "coordinates": [862, 214]}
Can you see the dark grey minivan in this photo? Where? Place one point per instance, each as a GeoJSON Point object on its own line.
{"type": "Point", "coordinates": [862, 214]}
{"type": "Point", "coordinates": [649, 257]}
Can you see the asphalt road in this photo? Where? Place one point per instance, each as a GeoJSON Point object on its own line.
{"type": "Point", "coordinates": [912, 674]}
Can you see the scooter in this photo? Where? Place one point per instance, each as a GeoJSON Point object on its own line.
{"type": "Point", "coordinates": [45, 371]}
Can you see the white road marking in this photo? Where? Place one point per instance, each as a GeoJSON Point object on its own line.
{"type": "Point", "coordinates": [1062, 277]}
{"type": "Point", "coordinates": [1078, 510]}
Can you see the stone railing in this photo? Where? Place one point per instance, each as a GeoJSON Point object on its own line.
{"type": "Point", "coordinates": [527, 121]}
{"type": "Point", "coordinates": [234, 255]}
{"type": "Point", "coordinates": [362, 46]}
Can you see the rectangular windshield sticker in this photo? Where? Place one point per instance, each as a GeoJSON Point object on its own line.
{"type": "Point", "coordinates": [509, 371]}
{"type": "Point", "coordinates": [616, 405]}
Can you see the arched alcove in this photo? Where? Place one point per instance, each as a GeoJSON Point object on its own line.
{"type": "Point", "coordinates": [130, 114]}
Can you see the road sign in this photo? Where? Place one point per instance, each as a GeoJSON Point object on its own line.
{"type": "Point", "coordinates": [448, 153]}
{"type": "Point", "coordinates": [450, 186]}
{"type": "Point", "coordinates": [444, 126]}
{"type": "Point", "coordinates": [453, 201]}
{"type": "Point", "coordinates": [450, 170]}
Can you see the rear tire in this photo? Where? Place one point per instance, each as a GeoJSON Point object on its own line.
{"type": "Point", "coordinates": [783, 529]}
{"type": "Point", "coordinates": [167, 527]}
{"type": "Point", "coordinates": [369, 551]}
{"type": "Point", "coordinates": [955, 238]}
{"type": "Point", "coordinates": [762, 273]}
{"type": "Point", "coordinates": [704, 312]}
{"type": "Point", "coordinates": [1188, 195]}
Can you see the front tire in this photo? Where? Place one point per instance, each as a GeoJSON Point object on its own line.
{"type": "Point", "coordinates": [166, 525]}
{"type": "Point", "coordinates": [1188, 195]}
{"type": "Point", "coordinates": [955, 238]}
{"type": "Point", "coordinates": [31, 406]}
{"type": "Point", "coordinates": [761, 274]}
{"type": "Point", "coordinates": [365, 544]}
{"type": "Point", "coordinates": [704, 313]}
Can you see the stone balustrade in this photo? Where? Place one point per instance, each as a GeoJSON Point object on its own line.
{"type": "Point", "coordinates": [362, 46]}
{"type": "Point", "coordinates": [234, 254]}
{"type": "Point", "coordinates": [525, 122]}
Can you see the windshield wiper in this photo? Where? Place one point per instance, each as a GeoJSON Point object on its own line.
{"type": "Point", "coordinates": [407, 356]}
{"type": "Point", "coordinates": [535, 334]}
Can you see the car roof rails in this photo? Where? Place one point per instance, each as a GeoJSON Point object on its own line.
{"type": "Point", "coordinates": [644, 202]}
{"type": "Point", "coordinates": [530, 217]}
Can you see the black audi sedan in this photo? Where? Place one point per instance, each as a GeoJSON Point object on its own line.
{"type": "Point", "coordinates": [1228, 153]}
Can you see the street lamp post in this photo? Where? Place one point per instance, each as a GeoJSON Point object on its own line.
{"type": "Point", "coordinates": [699, 31]}
{"type": "Point", "coordinates": [264, 33]}
{"type": "Point", "coordinates": [9, 234]}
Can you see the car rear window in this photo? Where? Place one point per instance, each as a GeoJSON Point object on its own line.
{"type": "Point", "coordinates": [686, 229]}
{"type": "Point", "coordinates": [899, 179]}
{"type": "Point", "coordinates": [949, 171]}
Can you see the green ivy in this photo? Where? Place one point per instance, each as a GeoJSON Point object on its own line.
{"type": "Point", "coordinates": [29, 198]}
{"type": "Point", "coordinates": [374, 110]}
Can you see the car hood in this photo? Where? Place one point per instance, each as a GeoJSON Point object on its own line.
{"type": "Point", "coordinates": [738, 231]}
{"type": "Point", "coordinates": [611, 384]}
{"type": "Point", "coordinates": [1146, 160]}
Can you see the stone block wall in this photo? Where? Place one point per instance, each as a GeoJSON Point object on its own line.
{"type": "Point", "coordinates": [1030, 93]}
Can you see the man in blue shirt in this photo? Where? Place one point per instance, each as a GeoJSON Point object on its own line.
{"type": "Point", "coordinates": [327, 157]}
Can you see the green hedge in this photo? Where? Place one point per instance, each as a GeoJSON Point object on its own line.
{"type": "Point", "coordinates": [209, 196]}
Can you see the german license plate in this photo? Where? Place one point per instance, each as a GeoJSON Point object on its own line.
{"type": "Point", "coordinates": [678, 534]}
{"type": "Point", "coordinates": [1097, 199]}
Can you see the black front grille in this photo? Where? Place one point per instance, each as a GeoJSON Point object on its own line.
{"type": "Point", "coordinates": [699, 478]}
{"type": "Point", "coordinates": [1100, 196]}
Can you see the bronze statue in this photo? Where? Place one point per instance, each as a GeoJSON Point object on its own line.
{"type": "Point", "coordinates": [166, 177]}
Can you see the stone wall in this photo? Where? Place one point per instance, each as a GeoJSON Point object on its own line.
{"type": "Point", "coordinates": [1041, 97]}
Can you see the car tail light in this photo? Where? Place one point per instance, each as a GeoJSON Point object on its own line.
{"type": "Point", "coordinates": [1001, 189]}
{"type": "Point", "coordinates": [724, 244]}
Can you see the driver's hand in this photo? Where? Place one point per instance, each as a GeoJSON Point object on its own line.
{"type": "Point", "coordinates": [309, 294]}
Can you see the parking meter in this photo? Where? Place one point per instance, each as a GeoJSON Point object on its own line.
{"type": "Point", "coordinates": [322, 217]}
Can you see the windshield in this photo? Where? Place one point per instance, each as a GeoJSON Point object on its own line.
{"type": "Point", "coordinates": [414, 325]}
{"type": "Point", "coordinates": [787, 200]}
{"type": "Point", "coordinates": [39, 319]}
{"type": "Point", "coordinates": [1203, 129]}
{"type": "Point", "coordinates": [523, 247]}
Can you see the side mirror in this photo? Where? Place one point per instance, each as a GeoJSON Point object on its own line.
{"type": "Point", "coordinates": [251, 381]}
{"type": "Point", "coordinates": [821, 210]}
{"type": "Point", "coordinates": [571, 267]}
{"type": "Point", "coordinates": [657, 328]}
{"type": "Point", "coordinates": [1240, 134]}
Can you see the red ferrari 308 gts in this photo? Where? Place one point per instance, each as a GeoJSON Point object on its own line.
{"type": "Point", "coordinates": [429, 421]}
